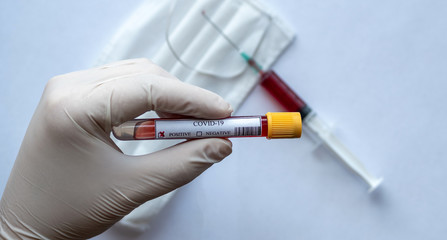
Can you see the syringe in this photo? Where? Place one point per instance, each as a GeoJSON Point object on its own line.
{"type": "Point", "coordinates": [292, 102]}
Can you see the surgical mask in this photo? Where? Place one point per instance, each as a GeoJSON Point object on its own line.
{"type": "Point", "coordinates": [177, 36]}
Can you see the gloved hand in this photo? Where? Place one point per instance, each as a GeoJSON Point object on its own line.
{"type": "Point", "coordinates": [70, 181]}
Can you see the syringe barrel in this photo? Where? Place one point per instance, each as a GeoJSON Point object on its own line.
{"type": "Point", "coordinates": [283, 93]}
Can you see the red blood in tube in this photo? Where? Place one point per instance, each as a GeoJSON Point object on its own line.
{"type": "Point", "coordinates": [145, 130]}
{"type": "Point", "coordinates": [265, 126]}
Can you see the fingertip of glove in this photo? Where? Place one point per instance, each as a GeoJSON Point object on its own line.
{"type": "Point", "coordinates": [230, 109]}
{"type": "Point", "coordinates": [218, 149]}
{"type": "Point", "coordinates": [225, 108]}
{"type": "Point", "coordinates": [228, 145]}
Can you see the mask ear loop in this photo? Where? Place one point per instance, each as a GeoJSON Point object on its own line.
{"type": "Point", "coordinates": [204, 72]}
{"type": "Point", "coordinates": [168, 42]}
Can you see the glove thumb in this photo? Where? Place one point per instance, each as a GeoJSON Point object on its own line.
{"type": "Point", "coordinates": [163, 171]}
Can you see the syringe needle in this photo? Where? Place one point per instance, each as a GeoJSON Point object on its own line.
{"type": "Point", "coordinates": [245, 56]}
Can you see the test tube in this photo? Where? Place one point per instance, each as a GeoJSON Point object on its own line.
{"type": "Point", "coordinates": [272, 125]}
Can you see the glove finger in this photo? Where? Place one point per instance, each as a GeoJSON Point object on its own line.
{"type": "Point", "coordinates": [128, 96]}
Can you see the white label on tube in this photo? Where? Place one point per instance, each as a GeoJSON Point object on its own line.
{"type": "Point", "coordinates": [201, 128]}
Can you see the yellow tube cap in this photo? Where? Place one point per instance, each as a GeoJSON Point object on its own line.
{"type": "Point", "coordinates": [284, 125]}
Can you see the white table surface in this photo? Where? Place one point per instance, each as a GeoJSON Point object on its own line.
{"type": "Point", "coordinates": [377, 70]}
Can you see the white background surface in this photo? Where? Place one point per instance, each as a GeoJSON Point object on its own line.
{"type": "Point", "coordinates": [375, 69]}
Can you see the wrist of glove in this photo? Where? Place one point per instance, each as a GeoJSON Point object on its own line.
{"type": "Point", "coordinates": [70, 181]}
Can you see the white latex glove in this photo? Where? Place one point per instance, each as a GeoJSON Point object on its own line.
{"type": "Point", "coordinates": [70, 181]}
